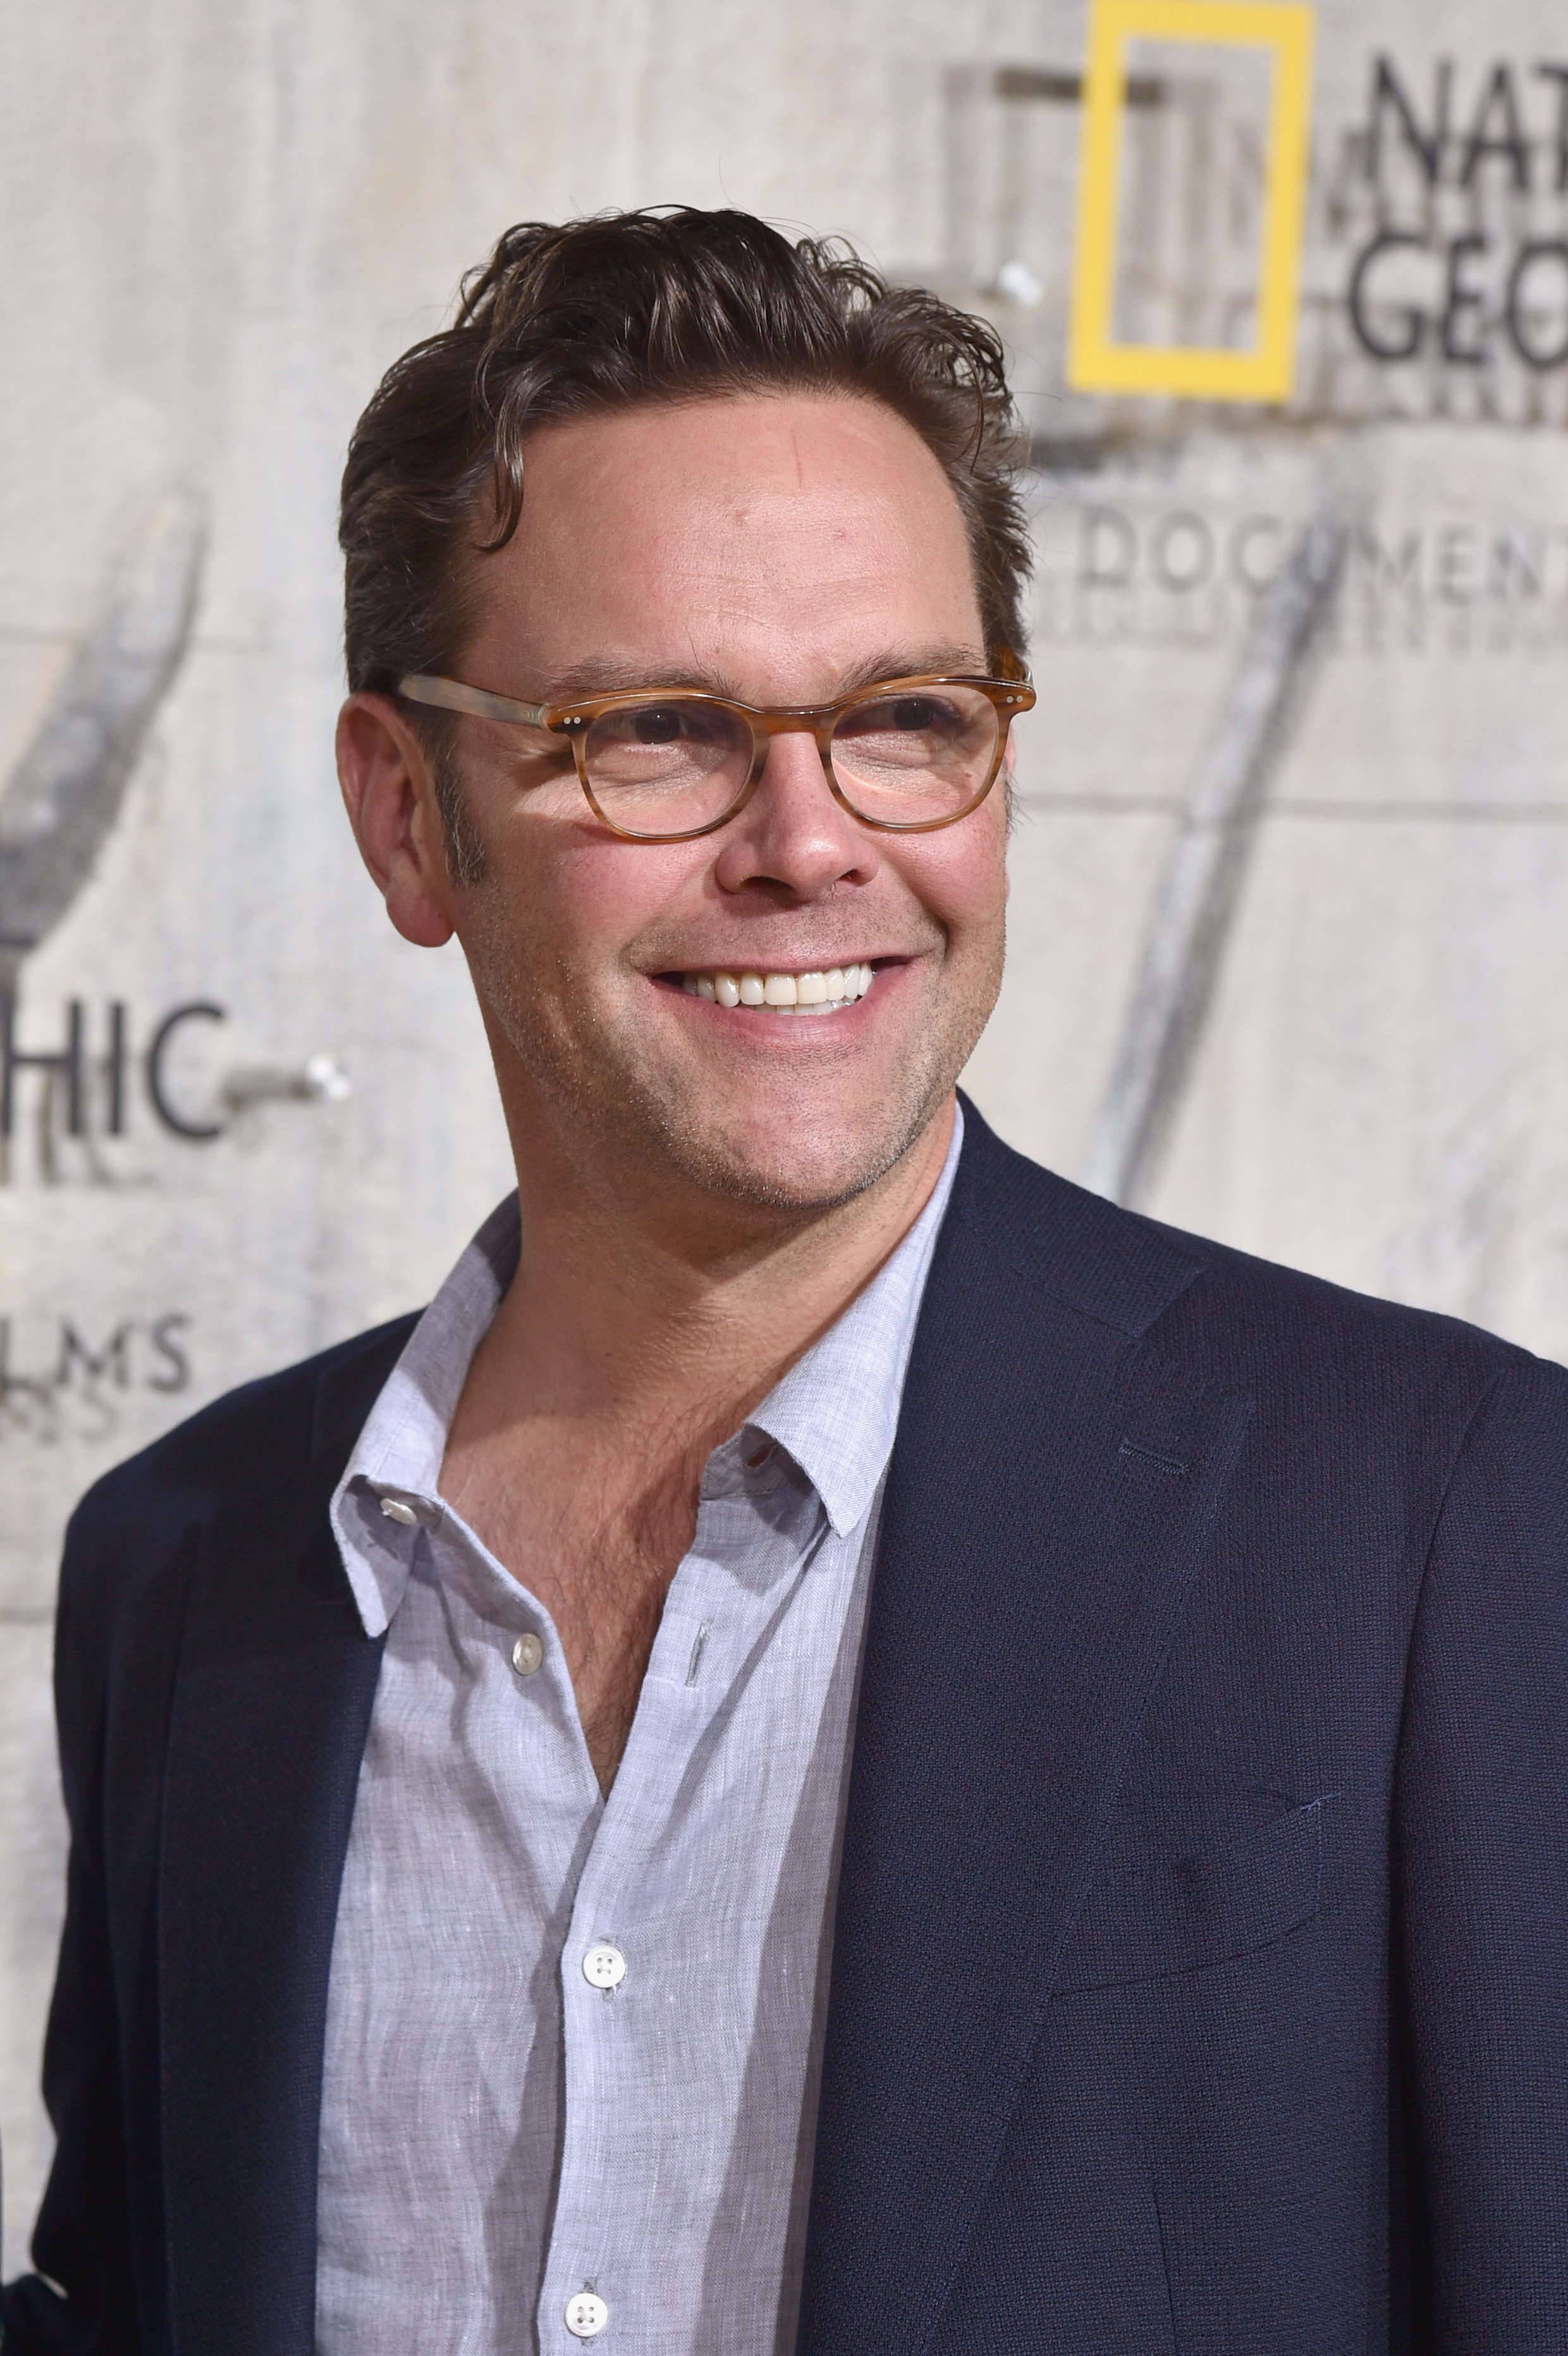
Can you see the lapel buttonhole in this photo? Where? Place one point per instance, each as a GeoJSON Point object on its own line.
{"type": "Point", "coordinates": [1151, 1456]}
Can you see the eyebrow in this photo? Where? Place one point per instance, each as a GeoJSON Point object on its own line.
{"type": "Point", "coordinates": [605, 676]}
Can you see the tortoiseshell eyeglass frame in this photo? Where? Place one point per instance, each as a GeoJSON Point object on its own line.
{"type": "Point", "coordinates": [1010, 696]}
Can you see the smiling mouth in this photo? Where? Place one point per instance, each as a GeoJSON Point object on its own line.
{"type": "Point", "coordinates": [822, 991]}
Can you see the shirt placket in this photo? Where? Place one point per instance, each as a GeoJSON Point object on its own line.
{"type": "Point", "coordinates": [611, 1999]}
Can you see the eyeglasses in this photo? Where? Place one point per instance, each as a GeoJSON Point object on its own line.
{"type": "Point", "coordinates": [666, 765]}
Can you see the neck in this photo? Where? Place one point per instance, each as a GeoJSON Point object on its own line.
{"type": "Point", "coordinates": [640, 1302]}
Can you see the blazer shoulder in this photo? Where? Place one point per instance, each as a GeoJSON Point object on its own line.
{"type": "Point", "coordinates": [295, 1425]}
{"type": "Point", "coordinates": [1256, 1312]}
{"type": "Point", "coordinates": [1249, 1323]}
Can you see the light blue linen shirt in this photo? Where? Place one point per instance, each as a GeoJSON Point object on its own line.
{"type": "Point", "coordinates": [573, 2042]}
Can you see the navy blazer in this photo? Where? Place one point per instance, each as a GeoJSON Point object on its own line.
{"type": "Point", "coordinates": [1200, 1980]}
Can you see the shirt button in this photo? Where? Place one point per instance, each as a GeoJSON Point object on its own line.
{"type": "Point", "coordinates": [586, 2316]}
{"type": "Point", "coordinates": [527, 1655]}
{"type": "Point", "coordinates": [604, 1966]}
{"type": "Point", "coordinates": [396, 1511]}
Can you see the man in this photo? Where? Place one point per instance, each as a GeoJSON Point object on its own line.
{"type": "Point", "coordinates": [530, 1882]}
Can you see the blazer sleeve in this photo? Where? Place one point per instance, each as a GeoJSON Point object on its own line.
{"type": "Point", "coordinates": [82, 2300]}
{"type": "Point", "coordinates": [1482, 1883]}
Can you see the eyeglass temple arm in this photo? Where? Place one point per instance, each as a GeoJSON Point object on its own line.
{"type": "Point", "coordinates": [450, 695]}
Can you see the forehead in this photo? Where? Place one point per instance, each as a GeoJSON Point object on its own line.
{"type": "Point", "coordinates": [764, 536]}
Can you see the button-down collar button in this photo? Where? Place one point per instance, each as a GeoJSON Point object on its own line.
{"type": "Point", "coordinates": [604, 1966]}
{"type": "Point", "coordinates": [586, 2316]}
{"type": "Point", "coordinates": [526, 1654]}
{"type": "Point", "coordinates": [396, 1511]}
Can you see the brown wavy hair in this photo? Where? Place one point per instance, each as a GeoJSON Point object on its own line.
{"type": "Point", "coordinates": [622, 309]}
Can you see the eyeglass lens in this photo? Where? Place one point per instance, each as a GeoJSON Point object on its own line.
{"type": "Point", "coordinates": [679, 764]}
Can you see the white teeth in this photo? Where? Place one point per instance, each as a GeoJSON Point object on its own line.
{"type": "Point", "coordinates": [784, 993]}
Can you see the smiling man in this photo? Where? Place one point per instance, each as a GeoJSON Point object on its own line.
{"type": "Point", "coordinates": [842, 1745]}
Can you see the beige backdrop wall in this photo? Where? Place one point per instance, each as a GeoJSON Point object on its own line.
{"type": "Point", "coordinates": [222, 222]}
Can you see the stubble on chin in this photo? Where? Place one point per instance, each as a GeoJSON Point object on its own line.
{"type": "Point", "coordinates": [612, 1101]}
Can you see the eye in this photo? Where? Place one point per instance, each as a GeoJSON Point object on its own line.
{"type": "Point", "coordinates": [675, 723]}
{"type": "Point", "coordinates": [658, 723]}
{"type": "Point", "coordinates": [931, 716]}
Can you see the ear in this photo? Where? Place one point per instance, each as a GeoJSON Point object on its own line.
{"type": "Point", "coordinates": [389, 794]}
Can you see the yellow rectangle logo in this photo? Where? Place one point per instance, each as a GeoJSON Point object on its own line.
{"type": "Point", "coordinates": [1096, 362]}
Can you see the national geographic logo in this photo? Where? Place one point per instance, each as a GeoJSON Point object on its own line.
{"type": "Point", "coordinates": [1097, 359]}
{"type": "Point", "coordinates": [103, 1072]}
{"type": "Point", "coordinates": [1432, 238]}
{"type": "Point", "coordinates": [1423, 283]}
{"type": "Point", "coordinates": [80, 1090]}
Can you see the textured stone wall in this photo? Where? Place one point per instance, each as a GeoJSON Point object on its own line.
{"type": "Point", "coordinates": [224, 221]}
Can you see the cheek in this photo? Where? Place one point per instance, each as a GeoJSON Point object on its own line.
{"type": "Point", "coordinates": [584, 901]}
{"type": "Point", "coordinates": [962, 883]}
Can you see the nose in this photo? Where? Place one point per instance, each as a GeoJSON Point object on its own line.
{"type": "Point", "coordinates": [792, 836]}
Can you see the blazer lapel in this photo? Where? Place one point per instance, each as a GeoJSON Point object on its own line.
{"type": "Point", "coordinates": [1049, 1491]}
{"type": "Point", "coordinates": [272, 1704]}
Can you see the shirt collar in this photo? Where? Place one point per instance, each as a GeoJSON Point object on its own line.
{"type": "Point", "coordinates": [398, 1457]}
{"type": "Point", "coordinates": [836, 1411]}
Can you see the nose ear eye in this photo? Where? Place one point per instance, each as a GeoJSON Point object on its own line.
{"type": "Point", "coordinates": [658, 727]}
